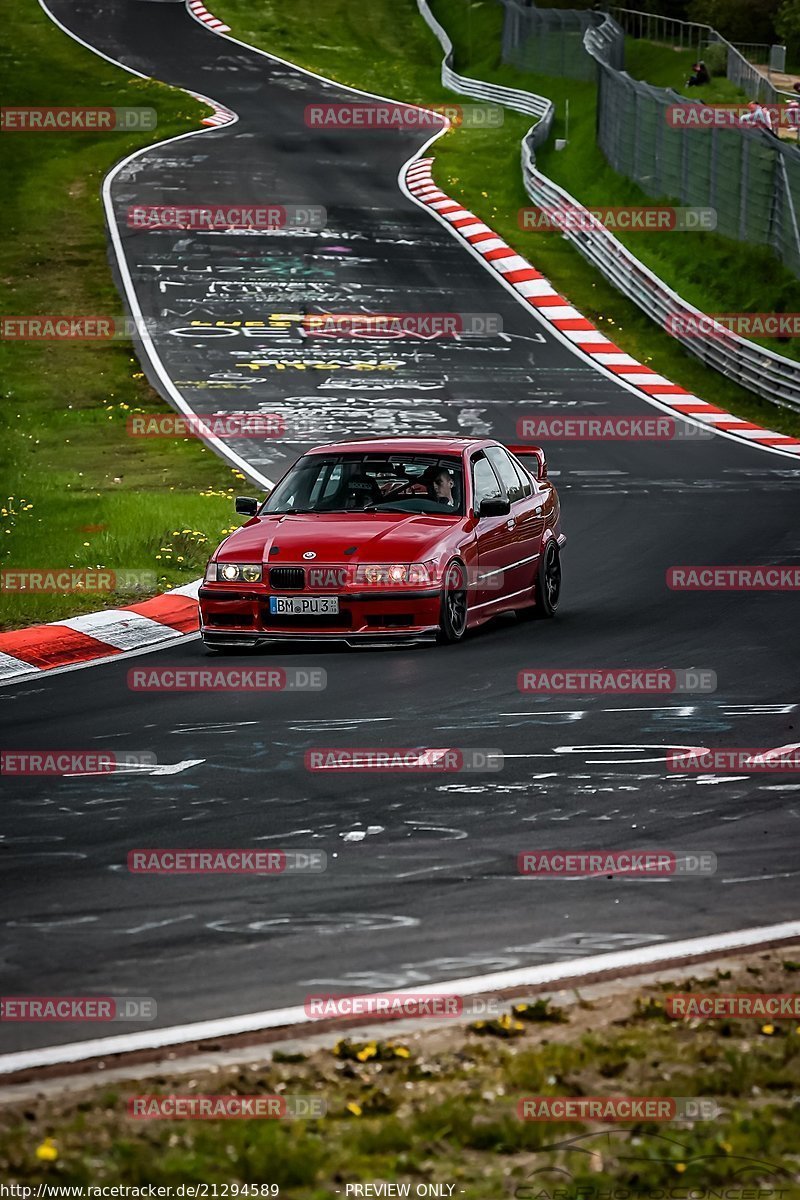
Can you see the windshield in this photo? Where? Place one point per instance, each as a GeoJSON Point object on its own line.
{"type": "Point", "coordinates": [418, 483]}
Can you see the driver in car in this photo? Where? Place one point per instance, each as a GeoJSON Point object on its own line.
{"type": "Point", "coordinates": [440, 487]}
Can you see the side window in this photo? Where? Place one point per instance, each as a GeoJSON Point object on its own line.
{"type": "Point", "coordinates": [326, 483]}
{"type": "Point", "coordinates": [506, 470]}
{"type": "Point", "coordinates": [525, 479]}
{"type": "Point", "coordinates": [484, 481]}
{"type": "Point", "coordinates": [332, 482]}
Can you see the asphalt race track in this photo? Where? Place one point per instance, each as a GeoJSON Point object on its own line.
{"type": "Point", "coordinates": [421, 884]}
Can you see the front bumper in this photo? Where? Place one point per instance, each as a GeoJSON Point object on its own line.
{"type": "Point", "coordinates": [232, 615]}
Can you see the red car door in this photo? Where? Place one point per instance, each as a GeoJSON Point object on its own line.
{"type": "Point", "coordinates": [528, 511]}
{"type": "Point", "coordinates": [495, 536]}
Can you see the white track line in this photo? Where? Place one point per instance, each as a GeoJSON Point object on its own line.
{"type": "Point", "coordinates": [524, 977]}
{"type": "Point", "coordinates": [171, 390]}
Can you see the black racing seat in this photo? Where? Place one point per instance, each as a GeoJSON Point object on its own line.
{"type": "Point", "coordinates": [361, 492]}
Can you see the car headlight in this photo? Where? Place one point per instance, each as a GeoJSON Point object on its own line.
{"type": "Point", "coordinates": [233, 572]}
{"type": "Point", "coordinates": [393, 573]}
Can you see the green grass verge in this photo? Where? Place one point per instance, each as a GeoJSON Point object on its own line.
{"type": "Point", "coordinates": [669, 67]}
{"type": "Point", "coordinates": [385, 47]}
{"type": "Point", "coordinates": [441, 1107]}
{"type": "Point", "coordinates": [76, 490]}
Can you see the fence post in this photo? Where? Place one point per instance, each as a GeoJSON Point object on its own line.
{"type": "Point", "coordinates": [712, 170]}
{"type": "Point", "coordinates": [787, 192]}
{"type": "Point", "coordinates": [743, 185]}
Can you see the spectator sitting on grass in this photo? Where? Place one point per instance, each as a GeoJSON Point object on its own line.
{"type": "Point", "coordinates": [699, 75]}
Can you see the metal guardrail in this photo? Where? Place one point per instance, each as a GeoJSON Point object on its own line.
{"type": "Point", "coordinates": [761, 371]}
{"type": "Point", "coordinates": [514, 98]}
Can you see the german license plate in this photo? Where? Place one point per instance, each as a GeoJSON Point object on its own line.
{"type": "Point", "coordinates": [304, 606]}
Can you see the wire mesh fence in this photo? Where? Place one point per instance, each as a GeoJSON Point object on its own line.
{"type": "Point", "coordinates": [549, 41]}
{"type": "Point", "coordinates": [749, 176]}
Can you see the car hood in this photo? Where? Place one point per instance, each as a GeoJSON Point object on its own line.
{"type": "Point", "coordinates": [337, 537]}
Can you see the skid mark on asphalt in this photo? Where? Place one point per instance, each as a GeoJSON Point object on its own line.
{"type": "Point", "coordinates": [318, 924]}
{"type": "Point", "coordinates": [213, 727]}
{"type": "Point", "coordinates": [148, 925]}
{"type": "Point", "coordinates": [53, 923]}
{"type": "Point", "coordinates": [559, 948]}
{"type": "Point", "coordinates": [358, 835]}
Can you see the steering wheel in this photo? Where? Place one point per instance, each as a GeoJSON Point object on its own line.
{"type": "Point", "coordinates": [407, 489]}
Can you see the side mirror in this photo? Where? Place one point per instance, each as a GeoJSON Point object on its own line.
{"type": "Point", "coordinates": [246, 505]}
{"type": "Point", "coordinates": [494, 508]}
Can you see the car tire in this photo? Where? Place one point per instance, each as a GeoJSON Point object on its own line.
{"type": "Point", "coordinates": [548, 582]}
{"type": "Point", "coordinates": [453, 619]}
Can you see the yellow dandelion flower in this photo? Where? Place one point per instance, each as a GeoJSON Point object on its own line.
{"type": "Point", "coordinates": [768, 1029]}
{"type": "Point", "coordinates": [47, 1151]}
{"type": "Point", "coordinates": [355, 1109]}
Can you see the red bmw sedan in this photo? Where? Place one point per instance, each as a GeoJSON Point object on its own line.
{"type": "Point", "coordinates": [389, 541]}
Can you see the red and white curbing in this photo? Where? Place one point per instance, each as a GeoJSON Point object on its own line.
{"type": "Point", "coordinates": [26, 653]}
{"type": "Point", "coordinates": [220, 115]}
{"type": "Point", "coordinates": [540, 294]}
{"type": "Point", "coordinates": [199, 10]}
